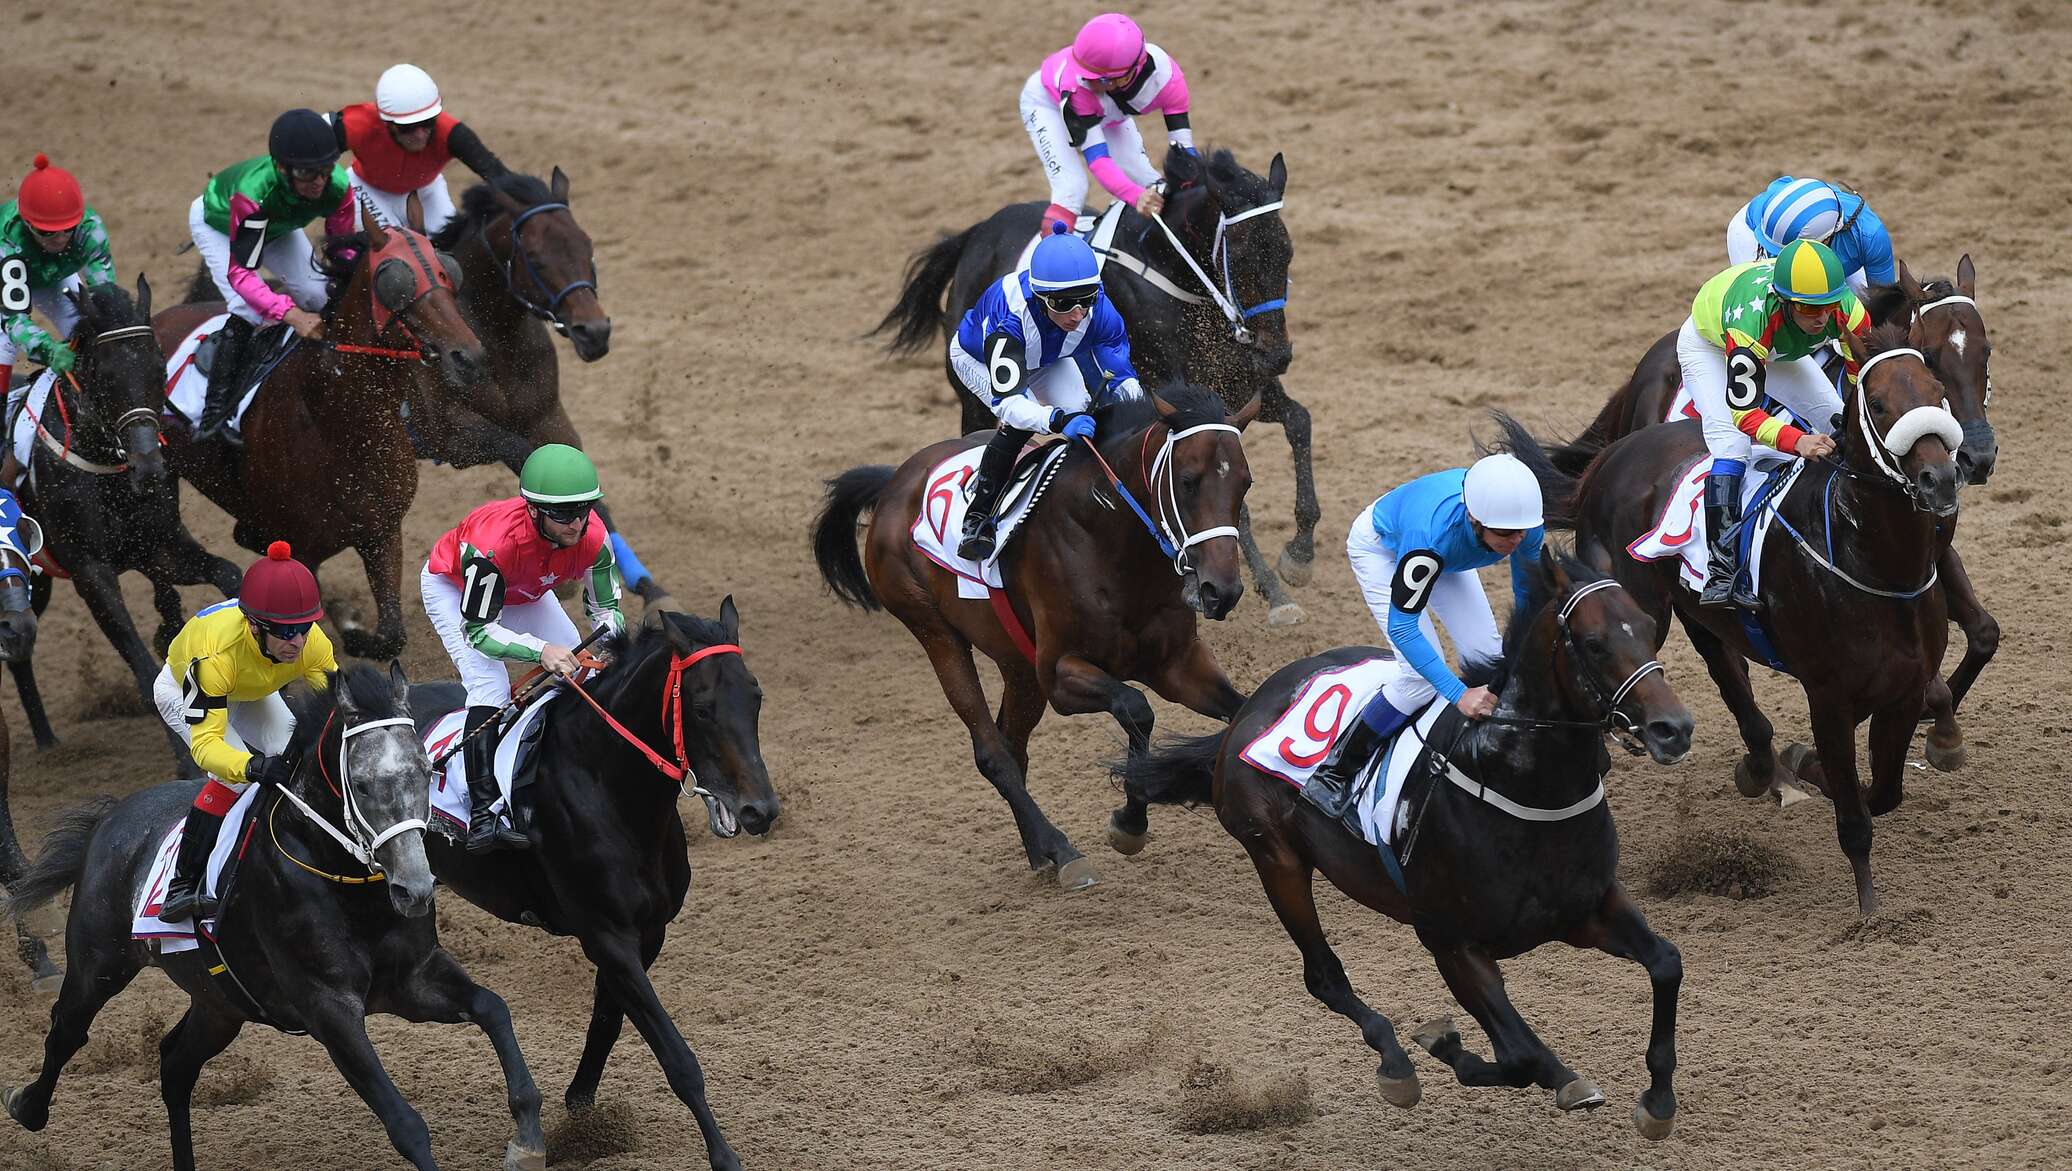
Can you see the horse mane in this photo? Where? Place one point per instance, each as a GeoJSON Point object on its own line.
{"type": "Point", "coordinates": [1539, 595]}
{"type": "Point", "coordinates": [1223, 175]}
{"type": "Point", "coordinates": [110, 305]}
{"type": "Point", "coordinates": [1192, 406]}
{"type": "Point", "coordinates": [629, 650]}
{"type": "Point", "coordinates": [478, 204]}
{"type": "Point", "coordinates": [312, 707]}
{"type": "Point", "coordinates": [1893, 335]}
{"type": "Point", "coordinates": [1884, 302]}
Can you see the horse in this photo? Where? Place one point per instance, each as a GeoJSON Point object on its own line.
{"type": "Point", "coordinates": [1518, 851]}
{"type": "Point", "coordinates": [607, 863]}
{"type": "Point", "coordinates": [327, 462]}
{"type": "Point", "coordinates": [108, 505]}
{"type": "Point", "coordinates": [1860, 625]}
{"type": "Point", "coordinates": [1100, 601]}
{"type": "Point", "coordinates": [1946, 326]}
{"type": "Point", "coordinates": [526, 269]}
{"type": "Point", "coordinates": [44, 975]}
{"type": "Point", "coordinates": [329, 919]}
{"type": "Point", "coordinates": [1234, 339]}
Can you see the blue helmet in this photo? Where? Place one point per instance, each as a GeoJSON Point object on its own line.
{"type": "Point", "coordinates": [1062, 261]}
{"type": "Point", "coordinates": [1799, 209]}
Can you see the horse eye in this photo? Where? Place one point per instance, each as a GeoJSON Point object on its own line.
{"type": "Point", "coordinates": [1190, 482]}
{"type": "Point", "coordinates": [1594, 645]}
{"type": "Point", "coordinates": [1878, 407]}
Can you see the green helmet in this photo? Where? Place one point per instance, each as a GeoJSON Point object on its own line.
{"type": "Point", "coordinates": [556, 473]}
{"type": "Point", "coordinates": [1807, 271]}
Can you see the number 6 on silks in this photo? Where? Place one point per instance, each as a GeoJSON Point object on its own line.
{"type": "Point", "coordinates": [1744, 380]}
{"type": "Point", "coordinates": [1415, 574]}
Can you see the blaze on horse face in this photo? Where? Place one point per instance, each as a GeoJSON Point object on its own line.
{"type": "Point", "coordinates": [1895, 426]}
{"type": "Point", "coordinates": [1953, 335]}
{"type": "Point", "coordinates": [1204, 484]}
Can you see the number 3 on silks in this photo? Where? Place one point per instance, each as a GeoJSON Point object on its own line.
{"type": "Point", "coordinates": [1415, 574]}
{"type": "Point", "coordinates": [1744, 380]}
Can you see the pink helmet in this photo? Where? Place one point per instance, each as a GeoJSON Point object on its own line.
{"type": "Point", "coordinates": [1108, 45]}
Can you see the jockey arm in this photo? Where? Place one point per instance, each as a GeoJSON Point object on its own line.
{"type": "Point", "coordinates": [97, 261]}
{"type": "Point", "coordinates": [1172, 102]}
{"type": "Point", "coordinates": [248, 243]}
{"type": "Point", "coordinates": [206, 687]}
{"type": "Point", "coordinates": [1110, 344]}
{"type": "Point", "coordinates": [467, 146]}
{"type": "Point", "coordinates": [482, 602]}
{"type": "Point", "coordinates": [1873, 246]}
{"type": "Point", "coordinates": [1416, 573]}
{"type": "Point", "coordinates": [601, 589]}
{"type": "Point", "coordinates": [1085, 125]}
{"type": "Point", "coordinates": [1524, 559]}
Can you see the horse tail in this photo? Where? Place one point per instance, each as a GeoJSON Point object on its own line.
{"type": "Point", "coordinates": [1180, 771]}
{"type": "Point", "coordinates": [1557, 487]}
{"type": "Point", "coordinates": [918, 314]}
{"type": "Point", "coordinates": [202, 287]}
{"type": "Point", "coordinates": [1575, 455]}
{"type": "Point", "coordinates": [834, 533]}
{"type": "Point", "coordinates": [62, 860]}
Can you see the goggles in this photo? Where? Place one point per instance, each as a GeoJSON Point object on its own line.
{"type": "Point", "coordinates": [1069, 300]}
{"type": "Point", "coordinates": [284, 631]}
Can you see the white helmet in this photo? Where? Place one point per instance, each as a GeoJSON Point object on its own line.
{"type": "Point", "coordinates": [1502, 493]}
{"type": "Point", "coordinates": [406, 94]}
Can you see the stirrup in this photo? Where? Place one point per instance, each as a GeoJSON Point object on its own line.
{"type": "Point", "coordinates": [185, 903]}
{"type": "Point", "coordinates": [484, 838]}
{"type": "Point", "coordinates": [978, 544]}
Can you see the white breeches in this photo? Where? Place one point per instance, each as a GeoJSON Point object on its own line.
{"type": "Point", "coordinates": [258, 725]}
{"type": "Point", "coordinates": [56, 308]}
{"type": "Point", "coordinates": [1457, 598]}
{"type": "Point", "coordinates": [1063, 165]}
{"type": "Point", "coordinates": [1800, 385]}
{"type": "Point", "coordinates": [393, 206]}
{"type": "Point", "coordinates": [288, 258]}
{"type": "Point", "coordinates": [489, 680]}
{"type": "Point", "coordinates": [1061, 384]}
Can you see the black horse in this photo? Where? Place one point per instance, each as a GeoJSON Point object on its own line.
{"type": "Point", "coordinates": [313, 936]}
{"type": "Point", "coordinates": [99, 483]}
{"type": "Point", "coordinates": [607, 863]}
{"type": "Point", "coordinates": [1182, 335]}
{"type": "Point", "coordinates": [1480, 882]}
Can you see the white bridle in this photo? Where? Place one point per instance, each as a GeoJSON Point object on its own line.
{"type": "Point", "coordinates": [1226, 295]}
{"type": "Point", "coordinates": [1888, 449]}
{"type": "Point", "coordinates": [365, 839]}
{"type": "Point", "coordinates": [1167, 500]}
{"type": "Point", "coordinates": [1921, 311]}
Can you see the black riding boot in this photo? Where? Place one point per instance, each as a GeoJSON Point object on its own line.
{"type": "Point", "coordinates": [1723, 585]}
{"type": "Point", "coordinates": [184, 900]}
{"type": "Point", "coordinates": [226, 370]}
{"type": "Point", "coordinates": [993, 469]}
{"type": "Point", "coordinates": [486, 831]}
{"type": "Point", "coordinates": [1330, 788]}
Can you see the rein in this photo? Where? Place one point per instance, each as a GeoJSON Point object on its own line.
{"type": "Point", "coordinates": [1173, 539]}
{"type": "Point", "coordinates": [364, 839]}
{"type": "Point", "coordinates": [1614, 721]}
{"type": "Point", "coordinates": [551, 311]}
{"type": "Point", "coordinates": [63, 450]}
{"type": "Point", "coordinates": [672, 713]}
{"type": "Point", "coordinates": [1225, 296]}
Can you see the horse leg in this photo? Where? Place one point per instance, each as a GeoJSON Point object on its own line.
{"type": "Point", "coordinates": [171, 615]}
{"type": "Point", "coordinates": [24, 672]}
{"type": "Point", "coordinates": [1892, 737]}
{"type": "Point", "coordinates": [193, 565]}
{"type": "Point", "coordinates": [1981, 641]}
{"type": "Point", "coordinates": [607, 1018]}
{"type": "Point", "coordinates": [1078, 687]}
{"type": "Point", "coordinates": [99, 969]}
{"type": "Point", "coordinates": [1297, 559]}
{"type": "Point", "coordinates": [101, 590]}
{"type": "Point", "coordinates": [192, 1041]}
{"type": "Point", "coordinates": [1834, 738]}
{"type": "Point", "coordinates": [442, 990]}
{"type": "Point", "coordinates": [618, 965]}
{"type": "Point", "coordinates": [1196, 681]}
{"type": "Point", "coordinates": [1281, 610]}
{"type": "Point", "coordinates": [384, 566]}
{"type": "Point", "coordinates": [1757, 772]}
{"type": "Point", "coordinates": [1618, 928]}
{"type": "Point", "coordinates": [1129, 827]}
{"type": "Point", "coordinates": [1522, 1059]}
{"type": "Point", "coordinates": [1287, 878]}
{"type": "Point", "coordinates": [342, 1031]}
{"type": "Point", "coordinates": [43, 975]}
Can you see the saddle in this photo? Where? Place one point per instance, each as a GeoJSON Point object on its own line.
{"type": "Point", "coordinates": [517, 766]}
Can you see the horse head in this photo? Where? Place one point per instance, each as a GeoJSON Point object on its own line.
{"type": "Point", "coordinates": [1948, 328]}
{"type": "Point", "coordinates": [1190, 461]}
{"type": "Point", "coordinates": [407, 290]}
{"type": "Point", "coordinates": [121, 374]}
{"type": "Point", "coordinates": [1230, 217]}
{"type": "Point", "coordinates": [1602, 649]}
{"type": "Point", "coordinates": [373, 779]}
{"type": "Point", "coordinates": [1895, 425]}
{"type": "Point", "coordinates": [21, 538]}
{"type": "Point", "coordinates": [548, 264]}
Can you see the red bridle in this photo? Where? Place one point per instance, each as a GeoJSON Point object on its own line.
{"type": "Point", "coordinates": [672, 711]}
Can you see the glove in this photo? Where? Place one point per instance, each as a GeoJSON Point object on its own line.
{"type": "Point", "coordinates": [268, 770]}
{"type": "Point", "coordinates": [1079, 425]}
{"type": "Point", "coordinates": [59, 357]}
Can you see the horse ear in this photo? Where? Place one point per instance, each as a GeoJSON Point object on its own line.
{"type": "Point", "coordinates": [370, 220]}
{"type": "Point", "coordinates": [143, 297]}
{"type": "Point", "coordinates": [559, 186]}
{"type": "Point", "coordinates": [1967, 276]}
{"type": "Point", "coordinates": [399, 685]}
{"type": "Point", "coordinates": [1906, 280]}
{"type": "Point", "coordinates": [679, 643]}
{"type": "Point", "coordinates": [1247, 413]}
{"type": "Point", "coordinates": [1550, 566]}
{"type": "Point", "coordinates": [1277, 175]}
{"type": "Point", "coordinates": [342, 696]}
{"type": "Point", "coordinates": [1183, 167]}
{"type": "Point", "coordinates": [1854, 344]}
{"type": "Point", "coordinates": [413, 212]}
{"type": "Point", "coordinates": [1165, 409]}
{"type": "Point", "coordinates": [730, 619]}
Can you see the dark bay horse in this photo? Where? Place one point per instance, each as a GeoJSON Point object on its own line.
{"type": "Point", "coordinates": [607, 863]}
{"type": "Point", "coordinates": [327, 922]}
{"type": "Point", "coordinates": [1225, 218]}
{"type": "Point", "coordinates": [1944, 324]}
{"type": "Point", "coordinates": [1847, 585]}
{"type": "Point", "coordinates": [527, 274]}
{"type": "Point", "coordinates": [327, 463]}
{"type": "Point", "coordinates": [99, 485]}
{"type": "Point", "coordinates": [1098, 599]}
{"type": "Point", "coordinates": [1480, 883]}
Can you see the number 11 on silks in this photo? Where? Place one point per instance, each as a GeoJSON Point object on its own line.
{"type": "Point", "coordinates": [1412, 587]}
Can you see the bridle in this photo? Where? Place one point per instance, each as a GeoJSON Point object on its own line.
{"type": "Point", "coordinates": [1170, 529]}
{"type": "Point", "coordinates": [517, 256]}
{"type": "Point", "coordinates": [1887, 449]}
{"type": "Point", "coordinates": [360, 837]}
{"type": "Point", "coordinates": [680, 769]}
{"type": "Point", "coordinates": [1615, 722]}
{"type": "Point", "coordinates": [1225, 295]}
{"type": "Point", "coordinates": [131, 417]}
{"type": "Point", "coordinates": [434, 277]}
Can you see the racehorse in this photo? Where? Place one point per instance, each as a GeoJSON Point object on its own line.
{"type": "Point", "coordinates": [1847, 586]}
{"type": "Point", "coordinates": [607, 863]}
{"type": "Point", "coordinates": [1204, 291]}
{"type": "Point", "coordinates": [526, 270]}
{"type": "Point", "coordinates": [1945, 325]}
{"type": "Point", "coordinates": [329, 919]}
{"type": "Point", "coordinates": [1519, 850]}
{"type": "Point", "coordinates": [100, 486]}
{"type": "Point", "coordinates": [1100, 599]}
{"type": "Point", "coordinates": [327, 462]}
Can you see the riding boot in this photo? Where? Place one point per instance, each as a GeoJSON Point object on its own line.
{"type": "Point", "coordinates": [1723, 584]}
{"type": "Point", "coordinates": [184, 899]}
{"type": "Point", "coordinates": [1330, 788]}
{"type": "Point", "coordinates": [486, 831]}
{"type": "Point", "coordinates": [226, 369]}
{"type": "Point", "coordinates": [993, 469]}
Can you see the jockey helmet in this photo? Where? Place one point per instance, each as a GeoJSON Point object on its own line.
{"type": "Point", "coordinates": [556, 473]}
{"type": "Point", "coordinates": [280, 589]}
{"type": "Point", "coordinates": [406, 94]}
{"type": "Point", "coordinates": [50, 198]}
{"type": "Point", "coordinates": [1062, 261]}
{"type": "Point", "coordinates": [1502, 493]}
{"type": "Point", "coordinates": [302, 138]}
{"type": "Point", "coordinates": [1803, 209]}
{"type": "Point", "coordinates": [1109, 45]}
{"type": "Point", "coordinates": [1808, 271]}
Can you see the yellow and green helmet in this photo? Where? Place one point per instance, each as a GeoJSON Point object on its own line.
{"type": "Point", "coordinates": [557, 474]}
{"type": "Point", "coordinates": [1807, 271]}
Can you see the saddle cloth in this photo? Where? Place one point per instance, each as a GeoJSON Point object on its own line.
{"type": "Point", "coordinates": [178, 937]}
{"type": "Point", "coordinates": [514, 759]}
{"type": "Point", "coordinates": [1681, 533]}
{"type": "Point", "coordinates": [187, 369]}
{"type": "Point", "coordinates": [1296, 744]}
{"type": "Point", "coordinates": [33, 394]}
{"type": "Point", "coordinates": [940, 524]}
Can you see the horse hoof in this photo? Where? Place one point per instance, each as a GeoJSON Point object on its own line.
{"type": "Point", "coordinates": [1286, 614]}
{"type": "Point", "coordinates": [517, 1158]}
{"type": "Point", "coordinates": [1435, 1032]}
{"type": "Point", "coordinates": [1580, 1094]}
{"type": "Point", "coordinates": [1746, 782]}
{"type": "Point", "coordinates": [1403, 1092]}
{"type": "Point", "coordinates": [10, 1101]}
{"type": "Point", "coordinates": [1945, 758]}
{"type": "Point", "coordinates": [47, 983]}
{"type": "Point", "coordinates": [1295, 571]}
{"type": "Point", "coordinates": [1078, 874]}
{"type": "Point", "coordinates": [1127, 844]}
{"type": "Point", "coordinates": [1650, 1127]}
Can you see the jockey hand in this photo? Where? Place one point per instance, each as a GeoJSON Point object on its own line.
{"type": "Point", "coordinates": [1079, 425]}
{"type": "Point", "coordinates": [268, 770]}
{"type": "Point", "coordinates": [60, 357]}
{"type": "Point", "coordinates": [304, 323]}
{"type": "Point", "coordinates": [1476, 702]}
{"type": "Point", "coordinates": [558, 659]}
{"type": "Point", "coordinates": [1812, 446]}
{"type": "Point", "coordinates": [1150, 202]}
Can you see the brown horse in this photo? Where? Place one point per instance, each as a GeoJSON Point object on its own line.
{"type": "Point", "coordinates": [1847, 585]}
{"type": "Point", "coordinates": [1099, 600]}
{"type": "Point", "coordinates": [1944, 324]}
{"type": "Point", "coordinates": [327, 464]}
{"type": "Point", "coordinates": [1518, 851]}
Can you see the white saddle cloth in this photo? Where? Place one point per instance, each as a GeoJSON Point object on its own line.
{"type": "Point", "coordinates": [1681, 532]}
{"type": "Point", "coordinates": [179, 937]}
{"type": "Point", "coordinates": [187, 388]}
{"type": "Point", "coordinates": [450, 781]}
{"type": "Point", "coordinates": [940, 524]}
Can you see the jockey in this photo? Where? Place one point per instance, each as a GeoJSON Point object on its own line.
{"type": "Point", "coordinates": [250, 216]}
{"type": "Point", "coordinates": [1082, 99]}
{"type": "Point", "coordinates": [1747, 350]}
{"type": "Point", "coordinates": [1415, 552]}
{"type": "Point", "coordinates": [1031, 347]}
{"type": "Point", "coordinates": [489, 592]}
{"type": "Point", "coordinates": [401, 142]}
{"type": "Point", "coordinates": [220, 690]}
{"type": "Point", "coordinates": [1808, 209]}
{"type": "Point", "coordinates": [50, 242]}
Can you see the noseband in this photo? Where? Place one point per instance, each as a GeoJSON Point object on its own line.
{"type": "Point", "coordinates": [551, 311]}
{"type": "Point", "coordinates": [135, 415]}
{"type": "Point", "coordinates": [1225, 296]}
{"type": "Point", "coordinates": [365, 838]}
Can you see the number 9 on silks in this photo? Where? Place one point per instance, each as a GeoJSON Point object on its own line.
{"type": "Point", "coordinates": [1042, 348]}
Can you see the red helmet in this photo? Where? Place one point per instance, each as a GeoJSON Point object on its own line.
{"type": "Point", "coordinates": [50, 198]}
{"type": "Point", "coordinates": [279, 588]}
